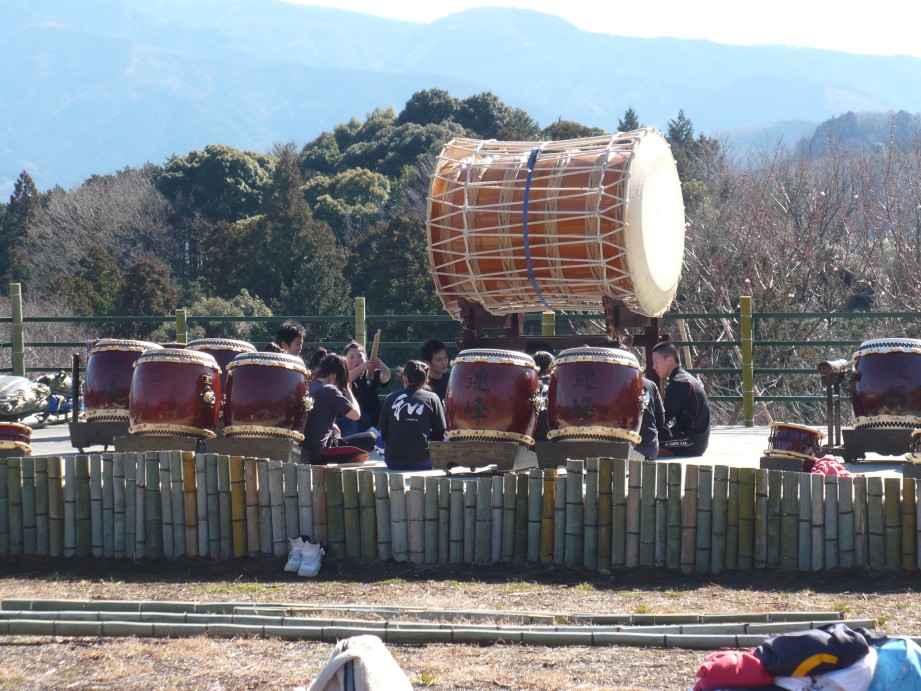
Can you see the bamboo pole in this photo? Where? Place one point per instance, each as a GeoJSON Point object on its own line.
{"type": "Point", "coordinates": [775, 513]}
{"type": "Point", "coordinates": [496, 520]}
{"type": "Point", "coordinates": [590, 514]}
{"type": "Point", "coordinates": [96, 539]}
{"type": "Point", "coordinates": [647, 543]}
{"type": "Point", "coordinates": [55, 507]}
{"type": "Point", "coordinates": [456, 522]}
{"type": "Point", "coordinates": [909, 523]}
{"type": "Point", "coordinates": [619, 513]}
{"type": "Point", "coordinates": [224, 505]}
{"type": "Point", "coordinates": [482, 549]}
{"type": "Point", "coordinates": [444, 520]}
{"type": "Point", "coordinates": [70, 507]}
{"type": "Point", "coordinates": [719, 520]}
{"type": "Point", "coordinates": [559, 519]}
{"type": "Point", "coordinates": [29, 539]}
{"type": "Point", "coordinates": [661, 533]}
{"type": "Point", "coordinates": [166, 505]}
{"type": "Point", "coordinates": [430, 518]}
{"type": "Point", "coordinates": [305, 499]}
{"type": "Point", "coordinates": [382, 514]}
{"type": "Point", "coordinates": [140, 508]}
{"type": "Point", "coordinates": [892, 512]}
{"type": "Point", "coordinates": [846, 522]}
{"type": "Point", "coordinates": [689, 518]}
{"type": "Point", "coordinates": [732, 520]}
{"type": "Point", "coordinates": [292, 514]}
{"type": "Point", "coordinates": [818, 521]}
{"type": "Point", "coordinates": [130, 502]}
{"type": "Point", "coordinates": [520, 550]}
{"type": "Point", "coordinates": [535, 504]}
{"type": "Point", "coordinates": [178, 503]}
{"type": "Point", "coordinates": [831, 522]}
{"type": "Point", "coordinates": [746, 518]}
{"type": "Point", "coordinates": [398, 529]}
{"type": "Point", "coordinates": [190, 503]}
{"type": "Point", "coordinates": [277, 499]}
{"type": "Point", "coordinates": [861, 535]}
{"type": "Point", "coordinates": [4, 509]}
{"type": "Point", "coordinates": [14, 484]}
{"type": "Point", "coordinates": [108, 505]}
{"type": "Point", "coordinates": [804, 538]}
{"type": "Point", "coordinates": [674, 513]}
{"type": "Point", "coordinates": [416, 519]}
{"type": "Point", "coordinates": [266, 547]}
{"type": "Point", "coordinates": [251, 500]}
{"type": "Point", "coordinates": [789, 522]}
{"type": "Point", "coordinates": [154, 507]}
{"type": "Point", "coordinates": [470, 488]}
{"type": "Point", "coordinates": [367, 515]}
{"type": "Point", "coordinates": [213, 506]}
{"type": "Point", "coordinates": [82, 506]}
{"type": "Point", "coordinates": [703, 551]}
{"type": "Point", "coordinates": [335, 512]}
{"type": "Point", "coordinates": [575, 513]}
{"type": "Point", "coordinates": [41, 506]}
{"type": "Point", "coordinates": [761, 518]}
{"type": "Point", "coordinates": [605, 488]}
{"type": "Point", "coordinates": [876, 529]}
{"type": "Point", "coordinates": [320, 526]}
{"type": "Point", "coordinates": [352, 516]}
{"type": "Point", "coordinates": [634, 485]}
{"type": "Point", "coordinates": [238, 506]}
{"type": "Point", "coordinates": [118, 506]}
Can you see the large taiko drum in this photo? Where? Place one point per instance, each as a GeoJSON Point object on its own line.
{"type": "Point", "coordinates": [492, 396]}
{"type": "Point", "coordinates": [107, 382]}
{"type": "Point", "coordinates": [595, 394]}
{"type": "Point", "coordinates": [266, 396]}
{"type": "Point", "coordinates": [175, 392]}
{"type": "Point", "coordinates": [224, 350]}
{"type": "Point", "coordinates": [531, 226]}
{"type": "Point", "coordinates": [15, 436]}
{"type": "Point", "coordinates": [886, 384]}
{"type": "Point", "coordinates": [788, 440]}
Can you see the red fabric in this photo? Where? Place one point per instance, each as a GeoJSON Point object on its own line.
{"type": "Point", "coordinates": [736, 668]}
{"type": "Point", "coordinates": [829, 465]}
{"type": "Point", "coordinates": [342, 454]}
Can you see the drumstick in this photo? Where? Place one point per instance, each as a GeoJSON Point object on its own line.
{"type": "Point", "coordinates": [374, 348]}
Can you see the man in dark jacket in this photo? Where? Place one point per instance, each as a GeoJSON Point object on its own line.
{"type": "Point", "coordinates": [687, 412]}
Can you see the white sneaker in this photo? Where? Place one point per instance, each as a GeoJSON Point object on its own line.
{"type": "Point", "coordinates": [311, 555]}
{"type": "Point", "coordinates": [294, 556]}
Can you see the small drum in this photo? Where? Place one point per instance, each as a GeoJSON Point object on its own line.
{"type": "Point", "coordinates": [175, 392]}
{"type": "Point", "coordinates": [492, 396]}
{"type": "Point", "coordinates": [107, 383]}
{"type": "Point", "coordinates": [224, 350]}
{"type": "Point", "coordinates": [15, 436]}
{"type": "Point", "coordinates": [266, 396]}
{"type": "Point", "coordinates": [886, 384]}
{"type": "Point", "coordinates": [595, 393]}
{"type": "Point", "coordinates": [531, 226]}
{"type": "Point", "coordinates": [794, 441]}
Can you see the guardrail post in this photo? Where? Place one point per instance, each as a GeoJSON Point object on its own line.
{"type": "Point", "coordinates": [360, 326]}
{"type": "Point", "coordinates": [182, 333]}
{"type": "Point", "coordinates": [548, 324]}
{"type": "Point", "coordinates": [18, 340]}
{"type": "Point", "coordinates": [746, 326]}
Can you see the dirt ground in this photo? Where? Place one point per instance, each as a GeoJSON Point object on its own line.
{"type": "Point", "coordinates": [250, 663]}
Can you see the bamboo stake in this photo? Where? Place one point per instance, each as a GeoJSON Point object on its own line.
{"type": "Point", "coordinates": [238, 506]}
{"type": "Point", "coordinates": [130, 502]}
{"type": "Point", "coordinates": [266, 546]}
{"type": "Point", "coordinates": [178, 503]}
{"type": "Point", "coordinates": [818, 521]}
{"type": "Point", "coordinates": [846, 522]}
{"type": "Point", "coordinates": [224, 503]}
{"type": "Point", "coordinates": [398, 528]}
{"type": "Point", "coordinates": [456, 522]}
{"type": "Point", "coordinates": [352, 517]}
{"type": "Point", "coordinates": [416, 519]}
{"type": "Point", "coordinates": [804, 556]}
{"type": "Point", "coordinates": [382, 514]}
{"type": "Point", "coordinates": [703, 554]}
{"type": "Point", "coordinates": [732, 520]}
{"type": "Point", "coordinates": [661, 534]}
{"type": "Point", "coordinates": [4, 509]}
{"type": "Point", "coordinates": [444, 520]}
{"type": "Point", "coordinates": [509, 496]}
{"type": "Point", "coordinates": [55, 507]}
{"type": "Point", "coordinates": [292, 514]}
{"type": "Point", "coordinates": [535, 504]}
{"type": "Point", "coordinates": [41, 506]}
{"type": "Point", "coordinates": [29, 539]}
{"type": "Point", "coordinates": [496, 520]}
{"type": "Point", "coordinates": [689, 518]}
{"type": "Point", "coordinates": [861, 546]}
{"type": "Point", "coordinates": [166, 505]}
{"type": "Point", "coordinates": [201, 505]}
{"type": "Point", "coordinates": [831, 522]}
{"type": "Point", "coordinates": [892, 509]}
{"type": "Point", "coordinates": [590, 514]}
{"type": "Point", "coordinates": [154, 506]}
{"type": "Point", "coordinates": [118, 506]}
{"type": "Point", "coordinates": [108, 506]}
{"type": "Point", "coordinates": [719, 520]}
{"type": "Point", "coordinates": [335, 508]}
{"type": "Point", "coordinates": [619, 513]}
{"type": "Point", "coordinates": [520, 550]}
{"type": "Point", "coordinates": [761, 518]}
{"type": "Point", "coordinates": [140, 508]}
{"type": "Point", "coordinates": [634, 485]}
{"type": "Point", "coordinates": [70, 507]}
{"type": "Point", "coordinates": [251, 500]}
{"type": "Point", "coordinates": [430, 493]}
{"type": "Point", "coordinates": [789, 522]}
{"type": "Point", "coordinates": [277, 500]}
{"type": "Point", "coordinates": [746, 518]}
{"type": "Point", "coordinates": [96, 540]}
{"type": "Point", "coordinates": [876, 529]}
{"type": "Point", "coordinates": [305, 499]}
{"type": "Point", "coordinates": [909, 524]}
{"type": "Point", "coordinates": [320, 525]}
{"type": "Point", "coordinates": [647, 543]}
{"type": "Point", "coordinates": [213, 506]}
{"type": "Point", "coordinates": [573, 554]}
{"type": "Point", "coordinates": [84, 529]}
{"type": "Point", "coordinates": [367, 515]}
{"type": "Point", "coordinates": [483, 544]}
{"type": "Point", "coordinates": [559, 519]}
{"type": "Point", "coordinates": [190, 503]}
{"type": "Point", "coordinates": [775, 513]}
{"type": "Point", "coordinates": [470, 488]}
{"type": "Point", "coordinates": [14, 484]}
{"type": "Point", "coordinates": [605, 488]}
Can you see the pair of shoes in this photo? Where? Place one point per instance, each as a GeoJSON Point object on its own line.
{"type": "Point", "coordinates": [305, 557]}
{"type": "Point", "coordinates": [294, 556]}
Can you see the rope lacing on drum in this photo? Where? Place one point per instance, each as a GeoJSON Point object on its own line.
{"type": "Point", "coordinates": [532, 161]}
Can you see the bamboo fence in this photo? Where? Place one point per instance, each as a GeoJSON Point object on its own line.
{"type": "Point", "coordinates": [599, 514]}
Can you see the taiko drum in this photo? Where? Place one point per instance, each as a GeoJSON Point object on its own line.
{"type": "Point", "coordinates": [595, 393]}
{"type": "Point", "coordinates": [531, 226]}
{"type": "Point", "coordinates": [107, 382]}
{"type": "Point", "coordinates": [175, 392]}
{"type": "Point", "coordinates": [224, 350]}
{"type": "Point", "coordinates": [492, 396]}
{"type": "Point", "coordinates": [15, 436]}
{"type": "Point", "coordinates": [266, 396]}
{"type": "Point", "coordinates": [886, 384]}
{"type": "Point", "coordinates": [788, 440]}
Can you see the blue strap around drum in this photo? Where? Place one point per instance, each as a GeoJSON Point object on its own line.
{"type": "Point", "coordinates": [532, 160]}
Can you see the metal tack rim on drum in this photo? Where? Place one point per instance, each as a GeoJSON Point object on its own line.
{"type": "Point", "coordinates": [169, 429]}
{"type": "Point", "coordinates": [259, 432]}
{"type": "Point", "coordinates": [502, 357]}
{"type": "Point", "coordinates": [124, 345]}
{"type": "Point", "coordinates": [488, 435]}
{"type": "Point", "coordinates": [879, 346]}
{"type": "Point", "coordinates": [192, 357]}
{"type": "Point", "coordinates": [221, 344]}
{"type": "Point", "coordinates": [107, 415]}
{"type": "Point", "coordinates": [22, 446]}
{"type": "Point", "coordinates": [593, 433]}
{"type": "Point", "coordinates": [887, 422]}
{"type": "Point", "coordinates": [269, 360]}
{"type": "Point", "coordinates": [611, 355]}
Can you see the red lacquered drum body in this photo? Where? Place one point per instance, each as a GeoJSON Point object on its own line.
{"type": "Point", "coordinates": [886, 384]}
{"type": "Point", "coordinates": [266, 396]}
{"type": "Point", "coordinates": [595, 393]}
{"type": "Point", "coordinates": [107, 383]}
{"type": "Point", "coordinates": [492, 396]}
{"type": "Point", "coordinates": [15, 436]}
{"type": "Point", "coordinates": [224, 350]}
{"type": "Point", "coordinates": [794, 441]}
{"type": "Point", "coordinates": [175, 392]}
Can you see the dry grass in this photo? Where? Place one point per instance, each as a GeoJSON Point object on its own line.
{"type": "Point", "coordinates": [242, 663]}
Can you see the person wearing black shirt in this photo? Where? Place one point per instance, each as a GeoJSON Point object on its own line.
{"type": "Point", "coordinates": [653, 418]}
{"type": "Point", "coordinates": [435, 355]}
{"type": "Point", "coordinates": [367, 377]}
{"type": "Point", "coordinates": [409, 419]}
{"type": "Point", "coordinates": [687, 411]}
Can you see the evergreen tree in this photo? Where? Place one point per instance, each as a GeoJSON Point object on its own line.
{"type": "Point", "coordinates": [630, 122]}
{"type": "Point", "coordinates": [146, 291]}
{"type": "Point", "coordinates": [14, 231]}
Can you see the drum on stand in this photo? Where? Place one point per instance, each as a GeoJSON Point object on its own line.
{"type": "Point", "coordinates": [224, 350]}
{"type": "Point", "coordinates": [886, 384]}
{"type": "Point", "coordinates": [175, 392]}
{"type": "Point", "coordinates": [492, 396]}
{"type": "Point", "coordinates": [15, 436]}
{"type": "Point", "coordinates": [787, 440]}
{"type": "Point", "coordinates": [531, 226]}
{"type": "Point", "coordinates": [595, 393]}
{"type": "Point", "coordinates": [107, 382]}
{"type": "Point", "coordinates": [266, 396]}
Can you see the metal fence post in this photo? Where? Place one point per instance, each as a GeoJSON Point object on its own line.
{"type": "Point", "coordinates": [548, 324]}
{"type": "Point", "coordinates": [360, 325]}
{"type": "Point", "coordinates": [747, 328]}
{"type": "Point", "coordinates": [182, 333]}
{"type": "Point", "coordinates": [18, 340]}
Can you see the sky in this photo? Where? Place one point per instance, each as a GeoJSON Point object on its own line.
{"type": "Point", "coordinates": [882, 27]}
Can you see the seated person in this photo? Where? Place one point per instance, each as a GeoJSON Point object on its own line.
{"type": "Point", "coordinates": [409, 419]}
{"type": "Point", "coordinates": [653, 419]}
{"type": "Point", "coordinates": [364, 387]}
{"type": "Point", "coordinates": [332, 397]}
{"type": "Point", "coordinates": [290, 338]}
{"type": "Point", "coordinates": [686, 431]}
{"type": "Point", "coordinates": [435, 355]}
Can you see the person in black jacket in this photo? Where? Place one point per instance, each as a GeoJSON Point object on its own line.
{"type": "Point", "coordinates": [687, 412]}
{"type": "Point", "coordinates": [409, 419]}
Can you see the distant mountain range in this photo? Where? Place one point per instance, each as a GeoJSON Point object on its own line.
{"type": "Point", "coordinates": [92, 87]}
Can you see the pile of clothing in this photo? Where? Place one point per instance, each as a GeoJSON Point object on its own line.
{"type": "Point", "coordinates": [830, 658]}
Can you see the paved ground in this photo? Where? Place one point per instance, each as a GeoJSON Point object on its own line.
{"type": "Point", "coordinates": [733, 446]}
